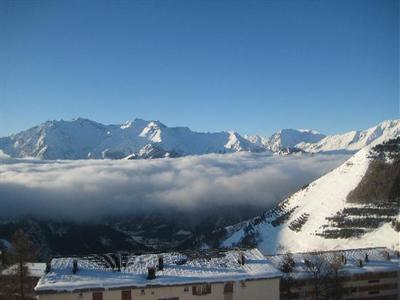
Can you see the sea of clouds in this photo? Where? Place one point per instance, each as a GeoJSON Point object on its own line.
{"type": "Point", "coordinates": [90, 189]}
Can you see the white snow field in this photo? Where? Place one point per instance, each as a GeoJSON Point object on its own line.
{"type": "Point", "coordinates": [321, 199]}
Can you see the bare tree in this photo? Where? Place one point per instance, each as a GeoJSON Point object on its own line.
{"type": "Point", "coordinates": [327, 275]}
{"type": "Point", "coordinates": [287, 266]}
{"type": "Point", "coordinates": [333, 277]}
{"type": "Point", "coordinates": [317, 265]}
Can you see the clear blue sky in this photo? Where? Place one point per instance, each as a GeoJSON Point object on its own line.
{"type": "Point", "coordinates": [251, 66]}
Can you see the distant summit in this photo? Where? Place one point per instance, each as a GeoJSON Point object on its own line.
{"type": "Point", "coordinates": [354, 140]}
{"type": "Point", "coordinates": [286, 138]}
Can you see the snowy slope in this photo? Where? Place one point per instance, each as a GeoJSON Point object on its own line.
{"type": "Point", "coordinates": [353, 140]}
{"type": "Point", "coordinates": [300, 222]}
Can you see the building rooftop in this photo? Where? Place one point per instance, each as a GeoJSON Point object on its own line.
{"type": "Point", "coordinates": [127, 270]}
{"type": "Point", "coordinates": [378, 259]}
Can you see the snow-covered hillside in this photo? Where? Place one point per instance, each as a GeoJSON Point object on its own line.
{"type": "Point", "coordinates": [353, 140]}
{"type": "Point", "coordinates": [320, 216]}
{"type": "Point", "coordinates": [82, 139]}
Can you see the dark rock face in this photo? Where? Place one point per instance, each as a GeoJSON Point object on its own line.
{"type": "Point", "coordinates": [381, 183]}
{"type": "Point", "coordinates": [377, 196]}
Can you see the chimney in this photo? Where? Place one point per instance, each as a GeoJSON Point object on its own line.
{"type": "Point", "coordinates": [366, 258]}
{"type": "Point", "coordinates": [74, 266]}
{"type": "Point", "coordinates": [151, 273]}
{"type": "Point", "coordinates": [160, 262]}
{"type": "Point", "coordinates": [242, 258]}
{"type": "Point", "coordinates": [48, 267]}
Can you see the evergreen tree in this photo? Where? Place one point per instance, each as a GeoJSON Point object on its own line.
{"type": "Point", "coordinates": [22, 251]}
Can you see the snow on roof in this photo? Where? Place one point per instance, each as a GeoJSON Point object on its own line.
{"type": "Point", "coordinates": [179, 269]}
{"type": "Point", "coordinates": [380, 259]}
{"type": "Point", "coordinates": [34, 269]}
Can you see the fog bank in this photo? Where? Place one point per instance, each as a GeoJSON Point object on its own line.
{"type": "Point", "coordinates": [90, 189]}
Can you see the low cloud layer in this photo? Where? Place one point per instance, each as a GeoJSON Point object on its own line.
{"type": "Point", "coordinates": [90, 189]}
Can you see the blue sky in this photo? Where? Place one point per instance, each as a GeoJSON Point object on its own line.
{"type": "Point", "coordinates": [252, 66]}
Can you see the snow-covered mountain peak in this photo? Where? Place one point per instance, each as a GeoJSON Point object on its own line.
{"type": "Point", "coordinates": [136, 123]}
{"type": "Point", "coordinates": [126, 125]}
{"type": "Point", "coordinates": [312, 131]}
{"type": "Point", "coordinates": [82, 138]}
{"type": "Point", "coordinates": [289, 138]}
{"type": "Point", "coordinates": [353, 141]}
{"type": "Point", "coordinates": [152, 132]}
{"type": "Point", "coordinates": [233, 141]}
{"type": "Point", "coordinates": [233, 135]}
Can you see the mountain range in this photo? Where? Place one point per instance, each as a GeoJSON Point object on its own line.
{"type": "Point", "coordinates": [354, 205]}
{"type": "Point", "coordinates": [86, 139]}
